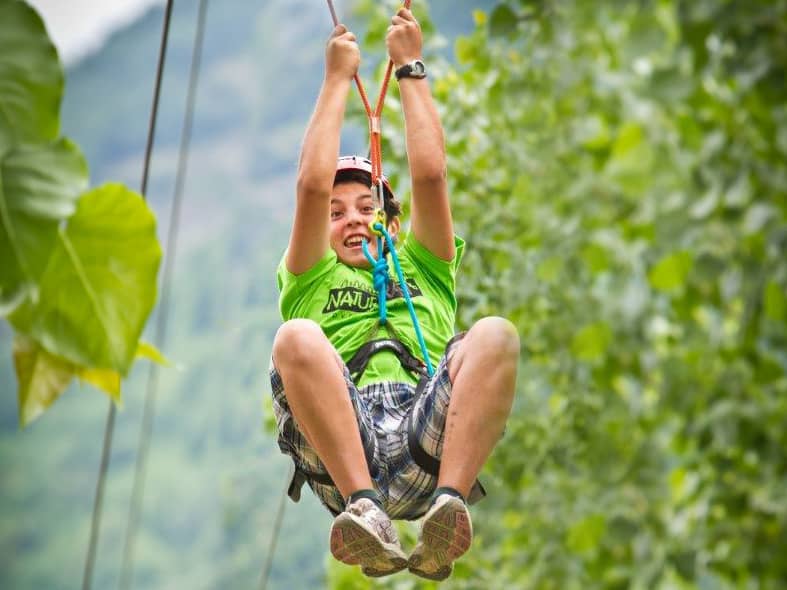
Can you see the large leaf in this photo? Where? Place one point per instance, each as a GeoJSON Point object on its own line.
{"type": "Point", "coordinates": [584, 536]}
{"type": "Point", "coordinates": [31, 79]}
{"type": "Point", "coordinates": [39, 186]}
{"type": "Point", "coordinates": [670, 272]}
{"type": "Point", "coordinates": [42, 378]}
{"type": "Point", "coordinates": [100, 284]}
{"type": "Point", "coordinates": [590, 343]}
{"type": "Point", "coordinates": [503, 21]}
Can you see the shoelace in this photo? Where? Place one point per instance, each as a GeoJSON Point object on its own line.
{"type": "Point", "coordinates": [375, 518]}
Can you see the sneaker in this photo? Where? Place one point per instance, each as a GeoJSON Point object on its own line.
{"type": "Point", "coordinates": [364, 535]}
{"type": "Point", "coordinates": [446, 534]}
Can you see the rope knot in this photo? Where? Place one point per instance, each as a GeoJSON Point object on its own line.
{"type": "Point", "coordinates": [380, 275]}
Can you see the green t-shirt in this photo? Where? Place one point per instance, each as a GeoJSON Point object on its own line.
{"type": "Point", "coordinates": [342, 300]}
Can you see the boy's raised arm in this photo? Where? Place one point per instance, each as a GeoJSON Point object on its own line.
{"type": "Point", "coordinates": [309, 238]}
{"type": "Point", "coordinates": [430, 218]}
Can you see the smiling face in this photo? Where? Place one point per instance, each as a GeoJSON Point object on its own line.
{"type": "Point", "coordinates": [352, 209]}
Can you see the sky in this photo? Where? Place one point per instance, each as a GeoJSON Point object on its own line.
{"type": "Point", "coordinates": [79, 27]}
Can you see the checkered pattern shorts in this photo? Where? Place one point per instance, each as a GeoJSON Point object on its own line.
{"type": "Point", "coordinates": [382, 410]}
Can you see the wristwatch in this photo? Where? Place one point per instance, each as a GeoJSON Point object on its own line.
{"type": "Point", "coordinates": [414, 69]}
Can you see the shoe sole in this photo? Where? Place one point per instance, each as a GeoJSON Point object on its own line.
{"type": "Point", "coordinates": [446, 535]}
{"type": "Point", "coordinates": [353, 543]}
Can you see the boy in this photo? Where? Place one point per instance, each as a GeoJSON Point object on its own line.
{"type": "Point", "coordinates": [359, 439]}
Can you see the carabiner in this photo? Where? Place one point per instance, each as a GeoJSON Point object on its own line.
{"type": "Point", "coordinates": [379, 218]}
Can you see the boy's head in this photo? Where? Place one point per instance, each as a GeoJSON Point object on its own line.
{"type": "Point", "coordinates": [359, 169]}
{"type": "Point", "coordinates": [352, 210]}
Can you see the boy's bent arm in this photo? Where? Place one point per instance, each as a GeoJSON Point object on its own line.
{"type": "Point", "coordinates": [430, 218]}
{"type": "Point", "coordinates": [310, 234]}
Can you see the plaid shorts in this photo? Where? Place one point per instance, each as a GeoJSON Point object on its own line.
{"type": "Point", "coordinates": [383, 414]}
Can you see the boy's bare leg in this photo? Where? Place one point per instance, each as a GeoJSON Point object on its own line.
{"type": "Point", "coordinates": [483, 372]}
{"type": "Point", "coordinates": [314, 384]}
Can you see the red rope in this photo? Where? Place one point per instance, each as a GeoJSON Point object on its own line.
{"type": "Point", "coordinates": [375, 131]}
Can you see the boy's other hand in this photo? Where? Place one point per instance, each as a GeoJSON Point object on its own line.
{"type": "Point", "coordinates": [404, 38]}
{"type": "Point", "coordinates": [342, 55]}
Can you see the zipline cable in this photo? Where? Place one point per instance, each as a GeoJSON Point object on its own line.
{"type": "Point", "coordinates": [146, 428]}
{"type": "Point", "coordinates": [109, 429]}
{"type": "Point", "coordinates": [266, 569]}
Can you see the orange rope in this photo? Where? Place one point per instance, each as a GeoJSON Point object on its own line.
{"type": "Point", "coordinates": [375, 130]}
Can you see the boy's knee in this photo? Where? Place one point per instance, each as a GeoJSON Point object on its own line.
{"type": "Point", "coordinates": [296, 342]}
{"type": "Point", "coordinates": [497, 336]}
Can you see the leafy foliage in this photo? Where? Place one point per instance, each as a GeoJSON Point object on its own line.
{"type": "Point", "coordinates": [77, 269]}
{"type": "Point", "coordinates": [617, 169]}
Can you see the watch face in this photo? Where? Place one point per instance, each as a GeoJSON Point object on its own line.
{"type": "Point", "coordinates": [413, 69]}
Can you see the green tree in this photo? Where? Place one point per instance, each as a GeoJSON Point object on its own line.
{"type": "Point", "coordinates": [617, 169]}
{"type": "Point", "coordinates": [77, 268]}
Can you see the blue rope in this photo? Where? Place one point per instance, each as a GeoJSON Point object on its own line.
{"type": "Point", "coordinates": [379, 275]}
{"type": "Point", "coordinates": [380, 278]}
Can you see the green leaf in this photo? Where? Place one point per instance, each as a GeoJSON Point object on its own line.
{"type": "Point", "coordinates": [590, 343]}
{"type": "Point", "coordinates": [549, 270]}
{"type": "Point", "coordinates": [775, 302]}
{"type": "Point", "coordinates": [629, 138]}
{"type": "Point", "coordinates": [584, 536]}
{"type": "Point", "coordinates": [42, 378]}
{"type": "Point", "coordinates": [503, 21]}
{"type": "Point", "coordinates": [31, 78]}
{"type": "Point", "coordinates": [464, 49]}
{"type": "Point", "coordinates": [39, 187]}
{"type": "Point", "coordinates": [593, 132]}
{"type": "Point", "coordinates": [100, 284]}
{"type": "Point", "coordinates": [595, 257]}
{"type": "Point", "coordinates": [670, 272]}
{"type": "Point", "coordinates": [631, 159]}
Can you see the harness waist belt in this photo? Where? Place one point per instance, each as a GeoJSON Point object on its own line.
{"type": "Point", "coordinates": [357, 364]}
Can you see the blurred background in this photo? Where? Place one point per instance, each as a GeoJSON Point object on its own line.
{"type": "Point", "coordinates": [618, 170]}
